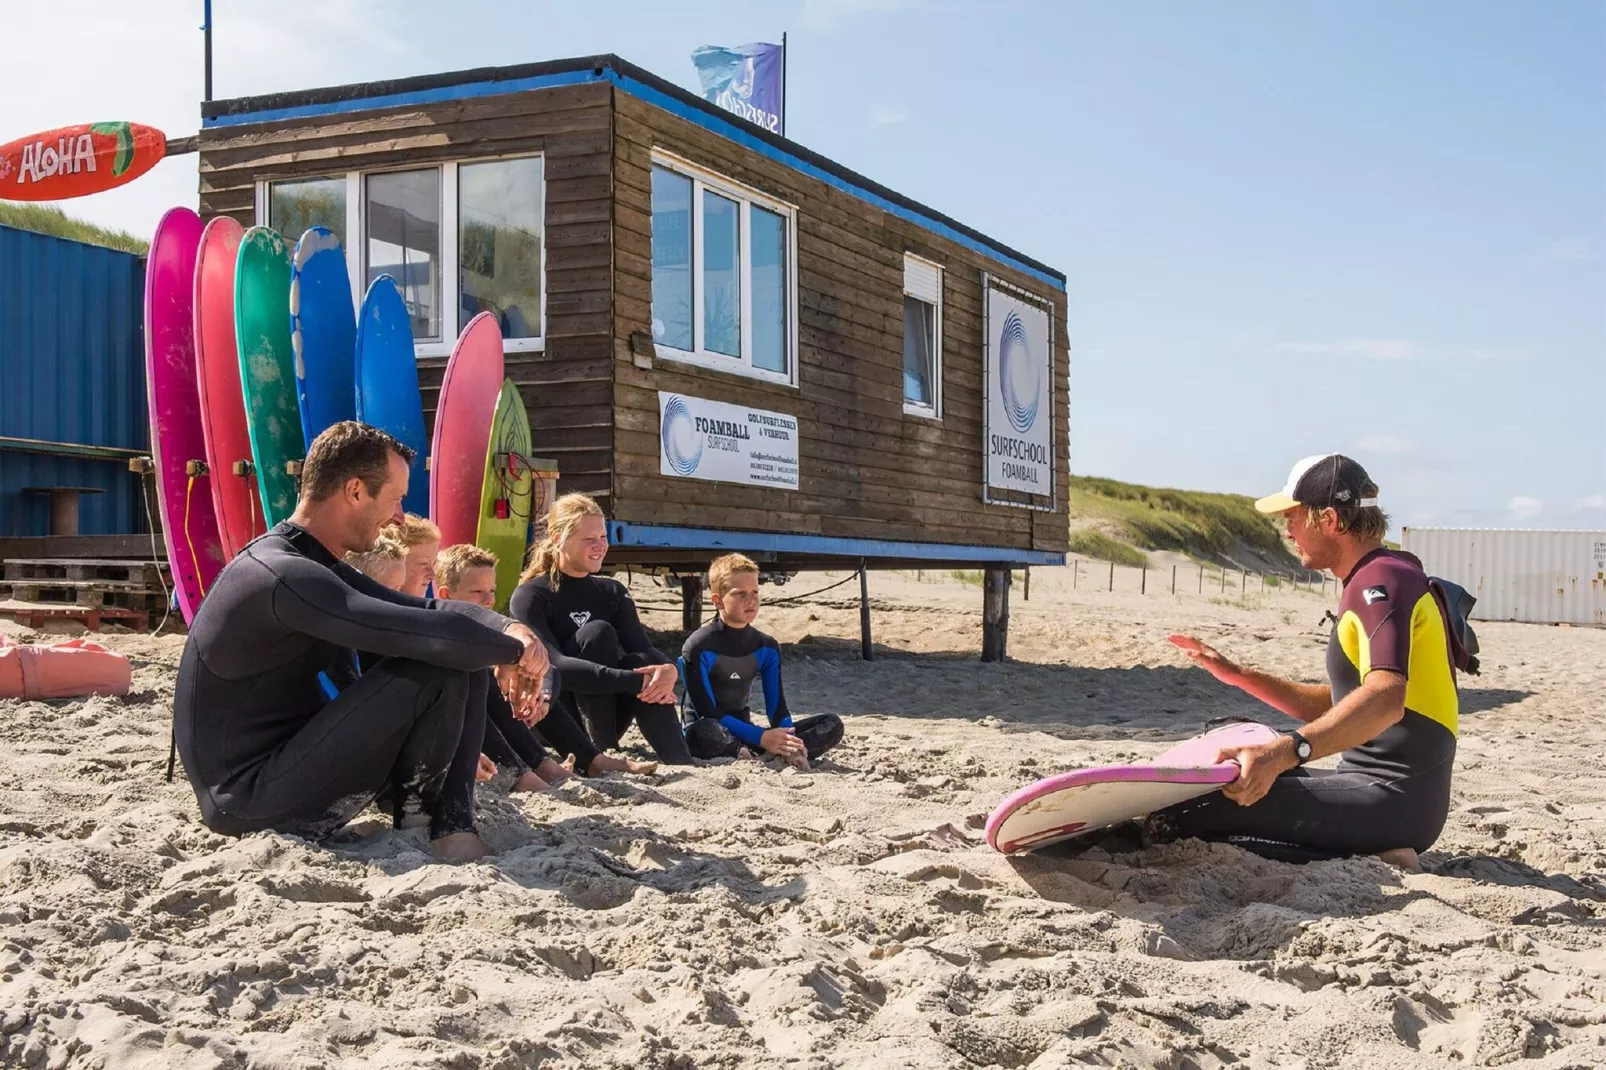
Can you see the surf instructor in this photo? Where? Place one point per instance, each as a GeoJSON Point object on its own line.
{"type": "Point", "coordinates": [1390, 706]}
{"type": "Point", "coordinates": [277, 729]}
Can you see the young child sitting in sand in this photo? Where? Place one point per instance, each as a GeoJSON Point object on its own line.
{"type": "Point", "coordinates": [385, 564]}
{"type": "Point", "coordinates": [721, 660]}
{"type": "Point", "coordinates": [467, 573]}
{"type": "Point", "coordinates": [423, 542]}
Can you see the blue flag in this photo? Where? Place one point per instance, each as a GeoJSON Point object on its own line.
{"type": "Point", "coordinates": [746, 80]}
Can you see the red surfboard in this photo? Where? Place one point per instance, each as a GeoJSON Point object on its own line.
{"type": "Point", "coordinates": [217, 373]}
{"type": "Point", "coordinates": [463, 430]}
{"type": "Point", "coordinates": [75, 161]}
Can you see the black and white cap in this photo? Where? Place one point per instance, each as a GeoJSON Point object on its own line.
{"type": "Point", "coordinates": [1330, 480]}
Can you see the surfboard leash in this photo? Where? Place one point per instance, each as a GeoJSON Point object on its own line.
{"type": "Point", "coordinates": [193, 469]}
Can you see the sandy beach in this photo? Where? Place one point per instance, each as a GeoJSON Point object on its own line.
{"type": "Point", "coordinates": [743, 916]}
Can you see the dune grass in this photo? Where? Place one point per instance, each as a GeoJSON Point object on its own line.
{"type": "Point", "coordinates": [1096, 544]}
{"type": "Point", "coordinates": [1190, 521]}
{"type": "Point", "coordinates": [49, 219]}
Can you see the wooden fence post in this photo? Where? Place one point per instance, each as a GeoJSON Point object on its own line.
{"type": "Point", "coordinates": [1173, 579]}
{"type": "Point", "coordinates": [1111, 587]}
{"type": "Point", "coordinates": [1143, 587]}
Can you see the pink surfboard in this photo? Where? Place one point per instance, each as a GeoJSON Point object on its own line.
{"type": "Point", "coordinates": [1082, 800]}
{"type": "Point", "coordinates": [217, 373]}
{"type": "Point", "coordinates": [463, 416]}
{"type": "Point", "coordinates": [194, 547]}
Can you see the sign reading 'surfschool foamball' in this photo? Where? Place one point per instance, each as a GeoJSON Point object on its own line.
{"type": "Point", "coordinates": [700, 439]}
{"type": "Point", "coordinates": [1020, 413]}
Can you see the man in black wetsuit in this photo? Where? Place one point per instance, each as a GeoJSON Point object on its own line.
{"type": "Point", "coordinates": [721, 660]}
{"type": "Point", "coordinates": [277, 729]}
{"type": "Point", "coordinates": [1390, 706]}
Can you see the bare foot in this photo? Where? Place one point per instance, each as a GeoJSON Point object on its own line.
{"type": "Point", "coordinates": [743, 752]}
{"type": "Point", "coordinates": [528, 781]}
{"type": "Point", "coordinates": [607, 763]}
{"type": "Point", "coordinates": [459, 847]}
{"type": "Point", "coordinates": [554, 773]}
{"type": "Point", "coordinates": [799, 762]}
{"type": "Point", "coordinates": [1402, 858]}
{"type": "Point", "coordinates": [567, 763]}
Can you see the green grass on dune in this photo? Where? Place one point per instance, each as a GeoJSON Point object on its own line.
{"type": "Point", "coordinates": [48, 219]}
{"type": "Point", "coordinates": [1091, 543]}
{"type": "Point", "coordinates": [1190, 521]}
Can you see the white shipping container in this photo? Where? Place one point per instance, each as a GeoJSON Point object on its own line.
{"type": "Point", "coordinates": [1544, 577]}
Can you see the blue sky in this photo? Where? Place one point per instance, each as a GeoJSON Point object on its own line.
{"type": "Point", "coordinates": [1289, 228]}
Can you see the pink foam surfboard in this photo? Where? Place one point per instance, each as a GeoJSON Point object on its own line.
{"type": "Point", "coordinates": [469, 392]}
{"type": "Point", "coordinates": [1082, 800]}
{"type": "Point", "coordinates": [189, 521]}
{"type": "Point", "coordinates": [217, 374]}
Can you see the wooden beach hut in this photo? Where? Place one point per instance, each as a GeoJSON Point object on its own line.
{"type": "Point", "coordinates": [731, 341]}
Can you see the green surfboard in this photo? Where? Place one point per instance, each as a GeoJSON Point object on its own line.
{"type": "Point", "coordinates": [267, 367]}
{"type": "Point", "coordinates": [507, 491]}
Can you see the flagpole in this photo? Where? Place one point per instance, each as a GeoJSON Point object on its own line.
{"type": "Point", "coordinates": [783, 81]}
{"type": "Point", "coordinates": [206, 28]}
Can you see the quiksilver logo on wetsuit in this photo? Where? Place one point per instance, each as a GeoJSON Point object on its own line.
{"type": "Point", "coordinates": [1375, 594]}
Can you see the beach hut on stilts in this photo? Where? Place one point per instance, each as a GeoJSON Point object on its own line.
{"type": "Point", "coordinates": [731, 341]}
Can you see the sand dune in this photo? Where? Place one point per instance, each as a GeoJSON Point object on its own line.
{"type": "Point", "coordinates": [743, 916]}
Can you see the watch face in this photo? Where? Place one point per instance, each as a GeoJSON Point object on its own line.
{"type": "Point", "coordinates": [1302, 748]}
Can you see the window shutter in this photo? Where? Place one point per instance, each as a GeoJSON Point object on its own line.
{"type": "Point", "coordinates": [922, 279]}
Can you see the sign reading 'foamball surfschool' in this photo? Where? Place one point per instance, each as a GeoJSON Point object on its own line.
{"type": "Point", "coordinates": [1020, 413]}
{"type": "Point", "coordinates": [699, 439]}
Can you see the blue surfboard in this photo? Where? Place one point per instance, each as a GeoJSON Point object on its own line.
{"type": "Point", "coordinates": [323, 332]}
{"type": "Point", "coordinates": [387, 381]}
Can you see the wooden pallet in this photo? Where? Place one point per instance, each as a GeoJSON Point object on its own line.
{"type": "Point", "coordinates": [19, 569]}
{"type": "Point", "coordinates": [35, 614]}
{"type": "Point", "coordinates": [126, 593]}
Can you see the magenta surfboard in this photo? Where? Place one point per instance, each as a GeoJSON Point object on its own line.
{"type": "Point", "coordinates": [189, 522]}
{"type": "Point", "coordinates": [217, 374]}
{"type": "Point", "coordinates": [1083, 800]}
{"type": "Point", "coordinates": [469, 392]}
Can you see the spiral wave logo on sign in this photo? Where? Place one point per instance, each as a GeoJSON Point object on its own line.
{"type": "Point", "coordinates": [1019, 376]}
{"type": "Point", "coordinates": [683, 446]}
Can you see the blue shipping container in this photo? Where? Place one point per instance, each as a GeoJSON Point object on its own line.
{"type": "Point", "coordinates": [72, 371]}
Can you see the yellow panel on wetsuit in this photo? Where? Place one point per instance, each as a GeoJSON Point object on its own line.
{"type": "Point", "coordinates": [1389, 619]}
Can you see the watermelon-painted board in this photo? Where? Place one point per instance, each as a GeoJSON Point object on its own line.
{"type": "Point", "coordinates": [268, 368]}
{"type": "Point", "coordinates": [323, 330]}
{"type": "Point", "coordinates": [387, 381]}
{"type": "Point", "coordinates": [1083, 800]}
{"type": "Point", "coordinates": [509, 485]}
{"type": "Point", "coordinates": [194, 548]}
{"type": "Point", "coordinates": [75, 161]}
{"type": "Point", "coordinates": [217, 373]}
{"type": "Point", "coordinates": [469, 393]}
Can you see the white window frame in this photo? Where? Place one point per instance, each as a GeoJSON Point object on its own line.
{"type": "Point", "coordinates": [451, 297]}
{"type": "Point", "coordinates": [704, 180]}
{"type": "Point", "coordinates": [913, 408]}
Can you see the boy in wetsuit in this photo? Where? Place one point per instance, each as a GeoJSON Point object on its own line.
{"type": "Point", "coordinates": [468, 573]}
{"type": "Point", "coordinates": [723, 657]}
{"type": "Point", "coordinates": [1390, 706]}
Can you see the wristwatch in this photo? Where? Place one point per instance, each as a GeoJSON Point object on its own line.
{"type": "Point", "coordinates": [1301, 747]}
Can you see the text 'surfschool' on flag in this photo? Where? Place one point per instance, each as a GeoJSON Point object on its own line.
{"type": "Point", "coordinates": [745, 79]}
